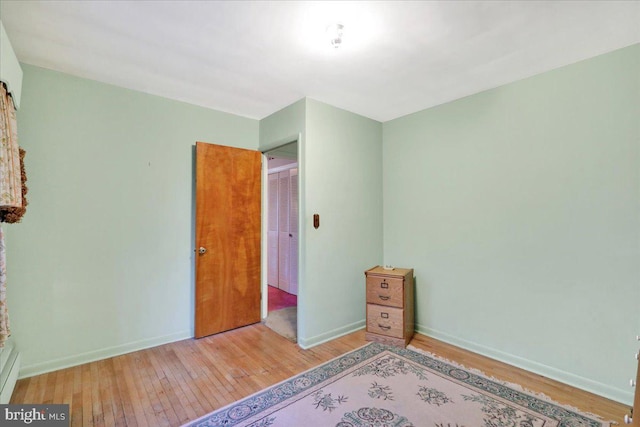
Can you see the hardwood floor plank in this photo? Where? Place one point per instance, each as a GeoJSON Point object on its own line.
{"type": "Point", "coordinates": [108, 405]}
{"type": "Point", "coordinates": [138, 378]}
{"type": "Point", "coordinates": [58, 392]}
{"type": "Point", "coordinates": [171, 392]}
{"type": "Point", "coordinates": [38, 391]}
{"type": "Point", "coordinates": [221, 386]}
{"type": "Point", "coordinates": [87, 406]}
{"type": "Point", "coordinates": [172, 362]}
{"type": "Point", "coordinates": [50, 388]}
{"type": "Point", "coordinates": [201, 377]}
{"type": "Point", "coordinates": [224, 368]}
{"type": "Point", "coordinates": [128, 385]}
{"type": "Point", "coordinates": [172, 384]}
{"type": "Point", "coordinates": [67, 390]}
{"type": "Point", "coordinates": [97, 417]}
{"type": "Point", "coordinates": [121, 389]}
{"type": "Point", "coordinates": [20, 390]}
{"type": "Point", "coordinates": [76, 407]}
{"type": "Point", "coordinates": [148, 380]}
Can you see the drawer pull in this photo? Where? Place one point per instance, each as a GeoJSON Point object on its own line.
{"type": "Point", "coordinates": [384, 297]}
{"type": "Point", "coordinates": [384, 327]}
{"type": "Point", "coordinates": [384, 285]}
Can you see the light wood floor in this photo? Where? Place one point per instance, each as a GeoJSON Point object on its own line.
{"type": "Point", "coordinates": [174, 383]}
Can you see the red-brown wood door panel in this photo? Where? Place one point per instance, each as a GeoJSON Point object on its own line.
{"type": "Point", "coordinates": [228, 210]}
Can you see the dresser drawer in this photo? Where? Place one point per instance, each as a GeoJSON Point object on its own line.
{"type": "Point", "coordinates": [385, 320]}
{"type": "Point", "coordinates": [385, 291]}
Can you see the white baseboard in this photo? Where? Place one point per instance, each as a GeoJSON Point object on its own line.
{"type": "Point", "coordinates": [307, 343]}
{"type": "Point", "coordinates": [92, 356]}
{"type": "Point", "coordinates": [604, 390]}
{"type": "Point", "coordinates": [9, 376]}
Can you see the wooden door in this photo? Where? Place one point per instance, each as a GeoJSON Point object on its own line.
{"type": "Point", "coordinates": [636, 400]}
{"type": "Point", "coordinates": [228, 210]}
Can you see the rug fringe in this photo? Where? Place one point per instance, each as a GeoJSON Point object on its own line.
{"type": "Point", "coordinates": [516, 386]}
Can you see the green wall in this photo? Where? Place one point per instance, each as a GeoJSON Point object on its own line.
{"type": "Point", "coordinates": [102, 262]}
{"type": "Point", "coordinates": [283, 126]}
{"type": "Point", "coordinates": [342, 160]}
{"type": "Point", "coordinates": [519, 209]}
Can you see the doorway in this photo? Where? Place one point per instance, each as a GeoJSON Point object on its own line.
{"type": "Point", "coordinates": [282, 240]}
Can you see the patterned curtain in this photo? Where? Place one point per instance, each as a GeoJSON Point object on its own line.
{"type": "Point", "coordinates": [10, 181]}
{"type": "Point", "coordinates": [4, 312]}
{"type": "Point", "coordinates": [10, 191]}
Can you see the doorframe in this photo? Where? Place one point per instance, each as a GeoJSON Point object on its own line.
{"type": "Point", "coordinates": [265, 224]}
{"type": "Point", "coordinates": [282, 168]}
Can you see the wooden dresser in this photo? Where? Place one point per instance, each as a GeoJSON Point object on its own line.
{"type": "Point", "coordinates": [636, 400]}
{"type": "Point", "coordinates": [634, 417]}
{"type": "Point", "coordinates": [390, 305]}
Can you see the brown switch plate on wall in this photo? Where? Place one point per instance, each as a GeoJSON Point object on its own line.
{"type": "Point", "coordinates": [316, 220]}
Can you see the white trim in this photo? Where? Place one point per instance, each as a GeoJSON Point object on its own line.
{"type": "Point", "coordinates": [283, 168]}
{"type": "Point", "coordinates": [9, 371]}
{"type": "Point", "coordinates": [92, 356]}
{"type": "Point", "coordinates": [270, 146]}
{"type": "Point", "coordinates": [604, 390]}
{"type": "Point", "coordinates": [264, 244]}
{"type": "Point", "coordinates": [302, 240]}
{"type": "Point", "coordinates": [331, 335]}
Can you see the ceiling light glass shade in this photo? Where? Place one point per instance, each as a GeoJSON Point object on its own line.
{"type": "Point", "coordinates": [334, 32]}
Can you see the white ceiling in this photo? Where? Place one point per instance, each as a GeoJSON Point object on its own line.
{"type": "Point", "coordinates": [254, 58]}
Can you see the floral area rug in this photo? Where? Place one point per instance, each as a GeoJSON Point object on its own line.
{"type": "Point", "coordinates": [381, 386]}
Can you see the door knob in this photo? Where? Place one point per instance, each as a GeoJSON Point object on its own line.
{"type": "Point", "coordinates": [202, 250]}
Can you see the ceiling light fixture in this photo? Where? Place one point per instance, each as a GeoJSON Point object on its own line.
{"type": "Point", "coordinates": [334, 32]}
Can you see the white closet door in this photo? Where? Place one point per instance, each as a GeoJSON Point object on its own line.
{"type": "Point", "coordinates": [272, 231]}
{"type": "Point", "coordinates": [283, 231]}
{"type": "Point", "coordinates": [293, 231]}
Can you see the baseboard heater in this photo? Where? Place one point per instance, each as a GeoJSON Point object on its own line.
{"type": "Point", "coordinates": [9, 368]}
